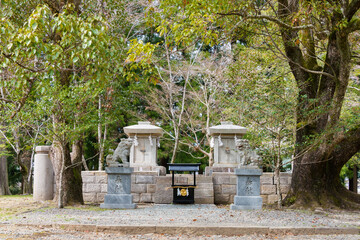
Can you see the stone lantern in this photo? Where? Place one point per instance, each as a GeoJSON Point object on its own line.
{"type": "Point", "coordinates": [143, 153]}
{"type": "Point", "coordinates": [224, 137]}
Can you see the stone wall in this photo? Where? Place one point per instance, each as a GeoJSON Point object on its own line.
{"type": "Point", "coordinates": [149, 187]}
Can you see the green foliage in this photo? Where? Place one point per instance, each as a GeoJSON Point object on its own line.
{"type": "Point", "coordinates": [264, 99]}
{"type": "Point", "coordinates": [347, 169]}
{"type": "Point", "coordinates": [14, 176]}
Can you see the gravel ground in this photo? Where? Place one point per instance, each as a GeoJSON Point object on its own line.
{"type": "Point", "coordinates": [27, 233]}
{"type": "Point", "coordinates": [194, 215]}
{"type": "Point", "coordinates": [25, 211]}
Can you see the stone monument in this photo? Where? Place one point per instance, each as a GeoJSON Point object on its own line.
{"type": "Point", "coordinates": [248, 178]}
{"type": "Point", "coordinates": [248, 188]}
{"type": "Point", "coordinates": [122, 152]}
{"type": "Point", "coordinates": [143, 153]}
{"type": "Point", "coordinates": [224, 143]}
{"type": "Point", "coordinates": [118, 188]}
{"type": "Point", "coordinates": [43, 175]}
{"type": "Point", "coordinates": [246, 156]}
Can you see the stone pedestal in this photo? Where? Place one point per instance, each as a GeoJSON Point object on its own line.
{"type": "Point", "coordinates": [225, 152]}
{"type": "Point", "coordinates": [118, 188]}
{"type": "Point", "coordinates": [146, 139]}
{"type": "Point", "coordinates": [248, 189]}
{"type": "Point", "coordinates": [43, 175]}
{"type": "Point", "coordinates": [157, 170]}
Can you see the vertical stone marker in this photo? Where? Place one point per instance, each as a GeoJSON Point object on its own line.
{"type": "Point", "coordinates": [119, 188]}
{"type": "Point", "coordinates": [43, 175]}
{"type": "Point", "coordinates": [248, 188]}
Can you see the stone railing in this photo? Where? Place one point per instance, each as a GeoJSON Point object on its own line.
{"type": "Point", "coordinates": [149, 187]}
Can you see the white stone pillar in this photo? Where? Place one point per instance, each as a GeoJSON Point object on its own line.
{"type": "Point", "coordinates": [43, 175]}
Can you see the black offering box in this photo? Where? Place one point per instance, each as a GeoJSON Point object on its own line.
{"type": "Point", "coordinates": [183, 194]}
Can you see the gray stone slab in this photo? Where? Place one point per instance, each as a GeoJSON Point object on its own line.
{"type": "Point", "coordinates": [144, 179]}
{"type": "Point", "coordinates": [246, 202]}
{"type": "Point", "coordinates": [118, 206]}
{"type": "Point", "coordinates": [117, 170]}
{"type": "Point", "coordinates": [118, 198]}
{"type": "Point", "coordinates": [119, 188]}
{"type": "Point", "coordinates": [248, 171]}
{"type": "Point", "coordinates": [243, 207]}
{"type": "Point", "coordinates": [248, 186]}
{"type": "Point", "coordinates": [119, 184]}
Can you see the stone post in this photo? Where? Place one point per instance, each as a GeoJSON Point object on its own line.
{"type": "Point", "coordinates": [43, 175]}
{"type": "Point", "coordinates": [118, 188]}
{"type": "Point", "coordinates": [248, 189]}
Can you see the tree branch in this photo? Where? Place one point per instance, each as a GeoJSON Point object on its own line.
{"type": "Point", "coordinates": [269, 18]}
{"type": "Point", "coordinates": [352, 9]}
{"type": "Point", "coordinates": [8, 56]}
{"type": "Point", "coordinates": [354, 25]}
{"type": "Point", "coordinates": [6, 100]}
{"type": "Point", "coordinates": [23, 99]}
{"type": "Point", "coordinates": [348, 146]}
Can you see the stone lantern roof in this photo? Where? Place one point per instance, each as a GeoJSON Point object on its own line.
{"type": "Point", "coordinates": [227, 128]}
{"type": "Point", "coordinates": [143, 128]}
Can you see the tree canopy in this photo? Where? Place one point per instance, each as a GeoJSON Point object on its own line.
{"type": "Point", "coordinates": [72, 71]}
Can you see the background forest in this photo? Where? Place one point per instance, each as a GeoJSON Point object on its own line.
{"type": "Point", "coordinates": [74, 73]}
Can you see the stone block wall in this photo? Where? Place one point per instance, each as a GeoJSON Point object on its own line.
{"type": "Point", "coordinates": [149, 187]}
{"type": "Point", "coordinates": [268, 186]}
{"type": "Point", "coordinates": [143, 186]}
{"type": "Point", "coordinates": [95, 186]}
{"type": "Point", "coordinates": [224, 187]}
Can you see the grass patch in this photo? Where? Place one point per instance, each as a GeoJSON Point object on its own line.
{"type": "Point", "coordinates": [86, 208]}
{"type": "Point", "coordinates": [15, 196]}
{"type": "Point", "coordinates": [13, 205]}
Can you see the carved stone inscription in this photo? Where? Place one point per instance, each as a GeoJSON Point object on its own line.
{"type": "Point", "coordinates": [119, 185]}
{"type": "Point", "coordinates": [249, 186]}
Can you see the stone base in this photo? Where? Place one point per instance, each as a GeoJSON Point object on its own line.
{"type": "Point", "coordinates": [118, 206]}
{"type": "Point", "coordinates": [219, 169]}
{"type": "Point", "coordinates": [246, 203]}
{"type": "Point", "coordinates": [118, 201]}
{"type": "Point", "coordinates": [159, 170]}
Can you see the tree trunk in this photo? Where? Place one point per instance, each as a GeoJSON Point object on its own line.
{"type": "Point", "coordinates": [24, 162]}
{"type": "Point", "coordinates": [322, 145]}
{"type": "Point", "coordinates": [67, 176]}
{"type": "Point", "coordinates": [278, 163]}
{"type": "Point", "coordinates": [353, 181]}
{"type": "Point", "coordinates": [315, 179]}
{"type": "Point", "coordinates": [101, 136]}
{"type": "Point", "coordinates": [176, 143]}
{"type": "Point", "coordinates": [4, 184]}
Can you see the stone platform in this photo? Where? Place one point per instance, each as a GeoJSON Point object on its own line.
{"type": "Point", "coordinates": [219, 188]}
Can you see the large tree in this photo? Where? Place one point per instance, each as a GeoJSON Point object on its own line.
{"type": "Point", "coordinates": [324, 143]}
{"type": "Point", "coordinates": [317, 39]}
{"type": "Point", "coordinates": [60, 58]}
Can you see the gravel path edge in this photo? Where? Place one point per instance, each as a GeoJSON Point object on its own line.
{"type": "Point", "coordinates": [197, 230]}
